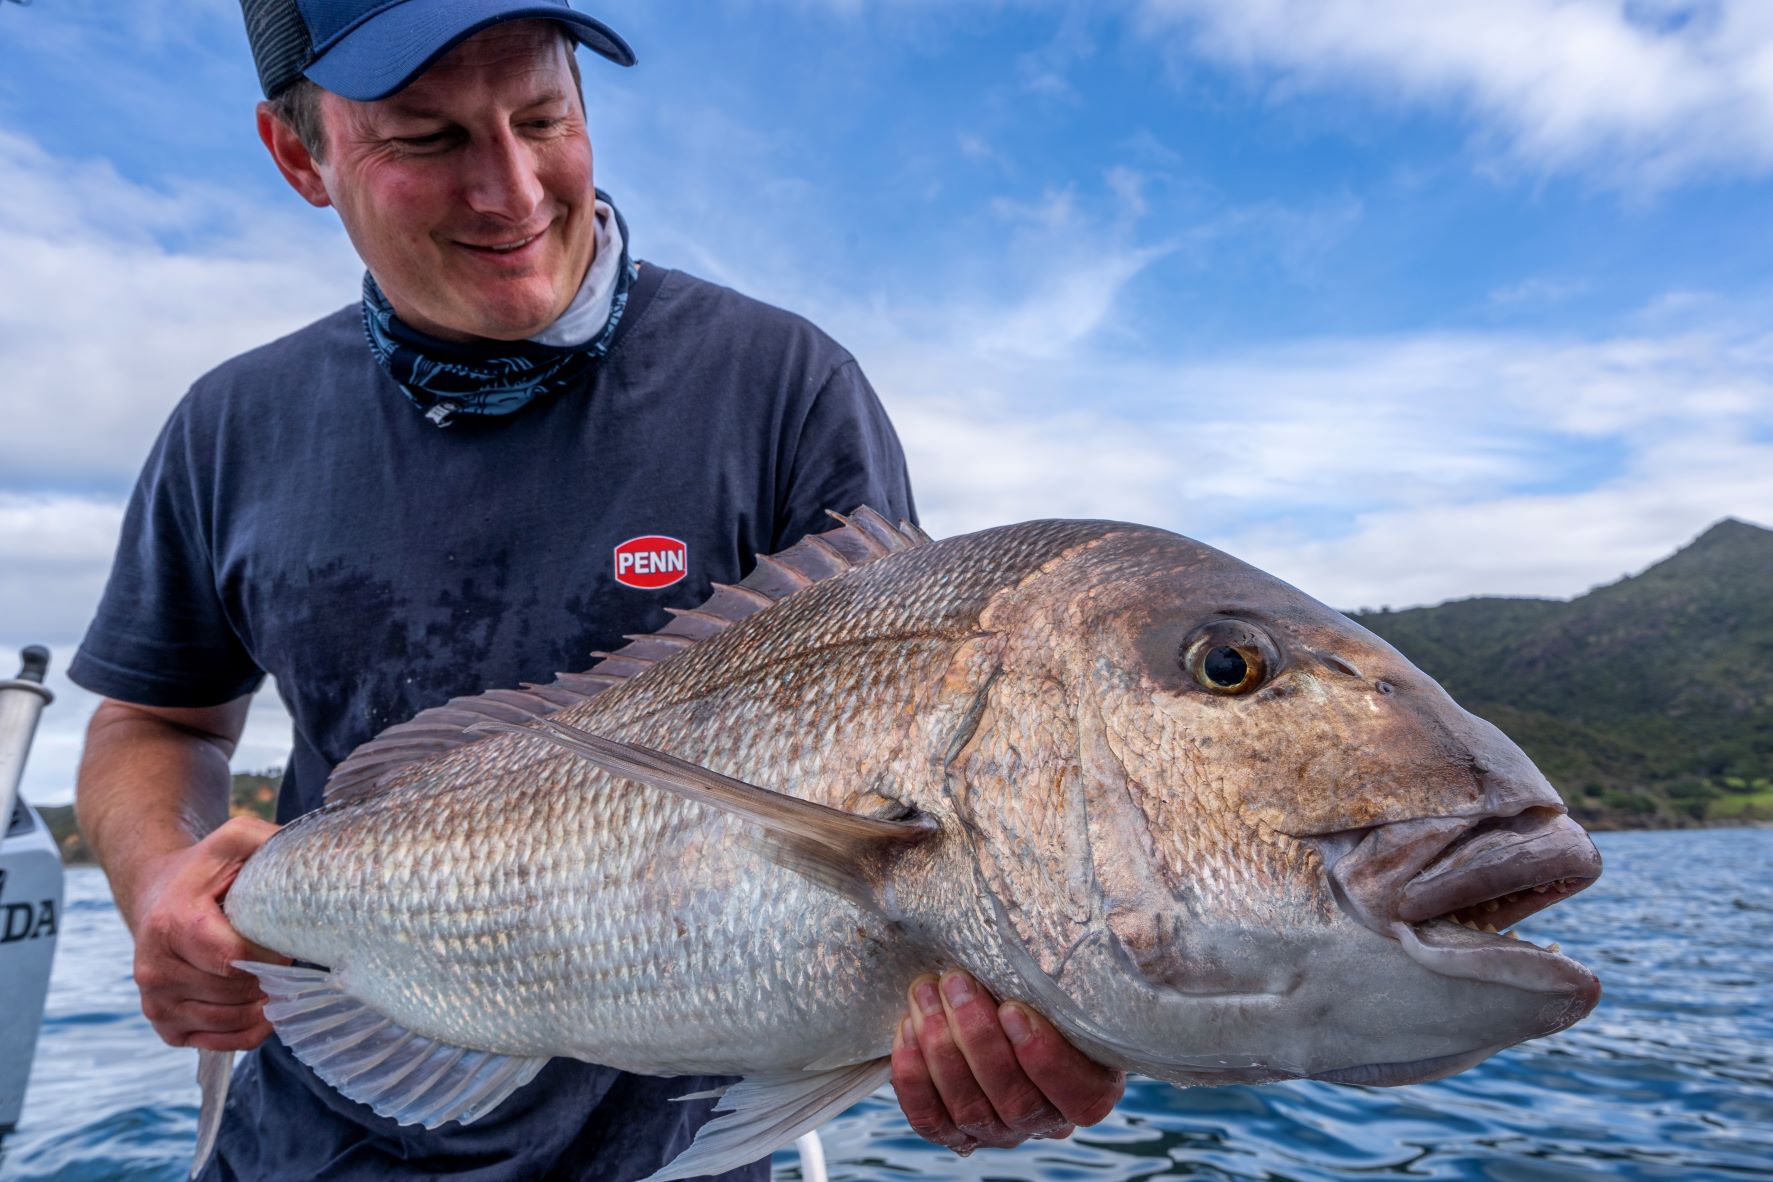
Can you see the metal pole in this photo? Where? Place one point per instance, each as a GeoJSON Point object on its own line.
{"type": "Point", "coordinates": [812, 1157]}
{"type": "Point", "coordinates": [21, 700]}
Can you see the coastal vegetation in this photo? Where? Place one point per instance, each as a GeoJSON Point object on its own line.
{"type": "Point", "coordinates": [1648, 701]}
{"type": "Point", "coordinates": [254, 795]}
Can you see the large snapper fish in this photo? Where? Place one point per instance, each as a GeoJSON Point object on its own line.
{"type": "Point", "coordinates": [1212, 829]}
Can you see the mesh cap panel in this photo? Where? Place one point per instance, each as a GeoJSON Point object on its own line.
{"type": "Point", "coordinates": [279, 39]}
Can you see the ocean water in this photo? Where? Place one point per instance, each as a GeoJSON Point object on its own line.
{"type": "Point", "coordinates": [1670, 1078]}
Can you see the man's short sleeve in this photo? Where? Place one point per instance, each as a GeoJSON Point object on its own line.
{"type": "Point", "coordinates": [162, 636]}
{"type": "Point", "coordinates": [847, 456]}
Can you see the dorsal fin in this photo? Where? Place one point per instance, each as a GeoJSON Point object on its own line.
{"type": "Point", "coordinates": [859, 538]}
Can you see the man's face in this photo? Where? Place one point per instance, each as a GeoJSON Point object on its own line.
{"type": "Point", "coordinates": [468, 194]}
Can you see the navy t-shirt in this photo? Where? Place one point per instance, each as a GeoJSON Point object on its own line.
{"type": "Point", "coordinates": [299, 517]}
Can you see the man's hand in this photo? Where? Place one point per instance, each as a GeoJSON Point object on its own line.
{"type": "Point", "coordinates": [184, 948]}
{"type": "Point", "coordinates": [152, 799]}
{"type": "Point", "coordinates": [970, 1072]}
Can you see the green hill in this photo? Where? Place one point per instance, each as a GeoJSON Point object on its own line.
{"type": "Point", "coordinates": [1649, 702]}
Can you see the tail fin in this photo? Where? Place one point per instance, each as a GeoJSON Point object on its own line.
{"type": "Point", "coordinates": [761, 1113]}
{"type": "Point", "coordinates": [214, 1070]}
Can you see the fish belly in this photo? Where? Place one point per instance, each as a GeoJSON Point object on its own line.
{"type": "Point", "coordinates": [654, 939]}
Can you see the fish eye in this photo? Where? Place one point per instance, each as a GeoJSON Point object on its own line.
{"type": "Point", "coordinates": [1225, 667]}
{"type": "Point", "coordinates": [1228, 657]}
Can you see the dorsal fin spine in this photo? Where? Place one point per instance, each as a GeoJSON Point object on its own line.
{"type": "Point", "coordinates": [818, 542]}
{"type": "Point", "coordinates": [863, 534]}
{"type": "Point", "coordinates": [674, 640]}
{"type": "Point", "coordinates": [793, 573]}
{"type": "Point", "coordinates": [694, 612]}
{"type": "Point", "coordinates": [882, 529]}
{"type": "Point", "coordinates": [914, 531]}
{"type": "Point", "coordinates": [750, 593]}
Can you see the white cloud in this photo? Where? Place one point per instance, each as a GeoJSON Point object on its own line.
{"type": "Point", "coordinates": [1641, 95]}
{"type": "Point", "coordinates": [1045, 72]}
{"type": "Point", "coordinates": [1538, 291]}
{"type": "Point", "coordinates": [118, 295]}
{"type": "Point", "coordinates": [979, 459]}
{"type": "Point", "coordinates": [1128, 185]}
{"type": "Point", "coordinates": [1067, 305]}
{"type": "Point", "coordinates": [55, 551]}
{"type": "Point", "coordinates": [1068, 271]}
{"type": "Point", "coordinates": [976, 147]}
{"type": "Point", "coordinates": [1376, 470]}
{"type": "Point", "coordinates": [1297, 236]}
{"type": "Point", "coordinates": [1555, 545]}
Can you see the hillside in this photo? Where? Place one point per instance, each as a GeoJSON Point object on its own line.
{"type": "Point", "coordinates": [1649, 702]}
{"type": "Point", "coordinates": [255, 795]}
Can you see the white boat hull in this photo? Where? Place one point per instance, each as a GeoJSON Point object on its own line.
{"type": "Point", "coordinates": [30, 917]}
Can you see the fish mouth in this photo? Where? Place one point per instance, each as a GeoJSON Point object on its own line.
{"type": "Point", "coordinates": [1450, 889]}
{"type": "Point", "coordinates": [1502, 870]}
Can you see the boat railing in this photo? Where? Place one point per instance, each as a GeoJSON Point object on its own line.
{"type": "Point", "coordinates": [22, 699]}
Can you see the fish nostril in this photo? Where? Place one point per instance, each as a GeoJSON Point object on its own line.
{"type": "Point", "coordinates": [1340, 666]}
{"type": "Point", "coordinates": [1384, 687]}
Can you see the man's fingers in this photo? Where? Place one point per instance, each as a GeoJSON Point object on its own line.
{"type": "Point", "coordinates": [201, 875]}
{"type": "Point", "coordinates": [923, 1107]}
{"type": "Point", "coordinates": [973, 1023]}
{"type": "Point", "coordinates": [259, 953]}
{"type": "Point", "coordinates": [186, 949]}
{"type": "Point", "coordinates": [214, 946]}
{"type": "Point", "coordinates": [962, 1095]}
{"type": "Point", "coordinates": [196, 1017]}
{"type": "Point", "coordinates": [237, 839]}
{"type": "Point", "coordinates": [208, 943]}
{"type": "Point", "coordinates": [243, 1040]}
{"type": "Point", "coordinates": [1083, 1090]}
{"type": "Point", "coordinates": [177, 979]}
{"type": "Point", "coordinates": [995, 1075]}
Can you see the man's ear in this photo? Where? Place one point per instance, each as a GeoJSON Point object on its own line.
{"type": "Point", "coordinates": [292, 157]}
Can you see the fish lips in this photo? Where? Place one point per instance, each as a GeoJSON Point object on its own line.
{"type": "Point", "coordinates": [1522, 864]}
{"type": "Point", "coordinates": [1436, 884]}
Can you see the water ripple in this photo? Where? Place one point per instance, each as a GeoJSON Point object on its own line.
{"type": "Point", "coordinates": [1671, 1078]}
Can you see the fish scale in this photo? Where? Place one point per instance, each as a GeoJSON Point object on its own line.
{"type": "Point", "coordinates": [880, 756]}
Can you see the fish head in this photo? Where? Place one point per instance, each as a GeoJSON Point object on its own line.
{"type": "Point", "coordinates": [1297, 837]}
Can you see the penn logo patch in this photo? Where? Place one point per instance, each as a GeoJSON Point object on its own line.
{"type": "Point", "coordinates": [651, 561]}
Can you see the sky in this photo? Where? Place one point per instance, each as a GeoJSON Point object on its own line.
{"type": "Point", "coordinates": [1402, 302]}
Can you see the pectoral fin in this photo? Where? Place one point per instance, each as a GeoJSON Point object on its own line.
{"type": "Point", "coordinates": [844, 852]}
{"type": "Point", "coordinates": [761, 1113]}
{"type": "Point", "coordinates": [374, 1060]}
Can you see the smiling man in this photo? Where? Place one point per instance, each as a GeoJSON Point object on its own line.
{"type": "Point", "coordinates": [431, 492]}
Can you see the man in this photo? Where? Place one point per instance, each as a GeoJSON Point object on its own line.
{"type": "Point", "coordinates": [420, 497]}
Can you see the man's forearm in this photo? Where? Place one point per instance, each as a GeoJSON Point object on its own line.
{"type": "Point", "coordinates": [152, 783]}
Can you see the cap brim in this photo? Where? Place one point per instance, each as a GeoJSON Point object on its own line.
{"type": "Point", "coordinates": [376, 58]}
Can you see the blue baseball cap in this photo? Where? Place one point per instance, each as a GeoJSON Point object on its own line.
{"type": "Point", "coordinates": [368, 49]}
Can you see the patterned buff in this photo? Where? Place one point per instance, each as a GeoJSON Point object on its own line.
{"type": "Point", "coordinates": [446, 379]}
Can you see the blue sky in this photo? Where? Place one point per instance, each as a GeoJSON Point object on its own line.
{"type": "Point", "coordinates": [1403, 302]}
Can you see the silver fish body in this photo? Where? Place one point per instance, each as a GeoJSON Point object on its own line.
{"type": "Point", "coordinates": [1215, 831]}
